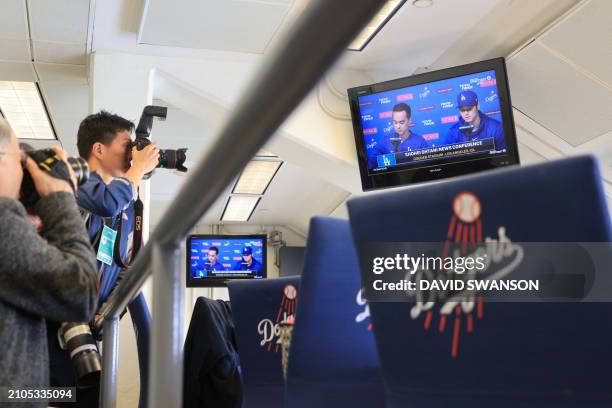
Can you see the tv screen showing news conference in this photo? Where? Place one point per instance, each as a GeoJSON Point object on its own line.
{"type": "Point", "coordinates": [455, 119]}
{"type": "Point", "coordinates": [214, 259]}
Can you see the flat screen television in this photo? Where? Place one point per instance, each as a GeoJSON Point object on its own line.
{"type": "Point", "coordinates": [212, 260]}
{"type": "Point", "coordinates": [434, 125]}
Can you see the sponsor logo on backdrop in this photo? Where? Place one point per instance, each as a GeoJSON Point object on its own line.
{"type": "Point", "coordinates": [425, 93]}
{"type": "Point", "coordinates": [366, 118]}
{"type": "Point", "coordinates": [447, 105]}
{"type": "Point", "coordinates": [466, 87]}
{"type": "Point", "coordinates": [385, 115]}
{"type": "Point", "coordinates": [366, 103]}
{"type": "Point", "coordinates": [428, 122]}
{"type": "Point", "coordinates": [370, 131]}
{"type": "Point", "coordinates": [492, 96]}
{"type": "Point", "coordinates": [384, 100]}
{"type": "Point", "coordinates": [405, 97]}
{"type": "Point", "coordinates": [445, 90]}
{"type": "Point", "coordinates": [431, 136]}
{"type": "Point", "coordinates": [491, 113]}
{"type": "Point", "coordinates": [371, 145]}
{"type": "Point", "coordinates": [449, 119]}
{"type": "Point", "coordinates": [426, 108]}
{"type": "Point", "coordinates": [488, 82]}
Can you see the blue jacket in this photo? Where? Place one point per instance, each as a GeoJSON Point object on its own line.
{"type": "Point", "coordinates": [100, 200]}
{"type": "Point", "coordinates": [256, 266]}
{"type": "Point", "coordinates": [201, 268]}
{"type": "Point", "coordinates": [384, 146]}
{"type": "Point", "coordinates": [489, 128]}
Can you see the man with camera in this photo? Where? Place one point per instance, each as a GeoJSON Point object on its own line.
{"type": "Point", "coordinates": [109, 196]}
{"type": "Point", "coordinates": [107, 200]}
{"type": "Point", "coordinates": [47, 276]}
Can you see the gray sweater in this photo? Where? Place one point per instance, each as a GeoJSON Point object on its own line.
{"type": "Point", "coordinates": [51, 277]}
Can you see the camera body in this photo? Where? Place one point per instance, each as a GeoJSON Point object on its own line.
{"type": "Point", "coordinates": [47, 160]}
{"type": "Point", "coordinates": [168, 158]}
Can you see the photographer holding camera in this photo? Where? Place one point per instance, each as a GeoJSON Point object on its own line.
{"type": "Point", "coordinates": [48, 276]}
{"type": "Point", "coordinates": [107, 201]}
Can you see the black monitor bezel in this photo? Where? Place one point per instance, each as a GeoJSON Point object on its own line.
{"type": "Point", "coordinates": [435, 171]}
{"type": "Point", "coordinates": [221, 282]}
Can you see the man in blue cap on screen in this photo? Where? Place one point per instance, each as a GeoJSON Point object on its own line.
{"type": "Point", "coordinates": [248, 263]}
{"type": "Point", "coordinates": [402, 140]}
{"type": "Point", "coordinates": [474, 125]}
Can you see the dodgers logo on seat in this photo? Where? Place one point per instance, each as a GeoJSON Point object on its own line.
{"type": "Point", "coordinates": [269, 328]}
{"type": "Point", "coordinates": [464, 236]}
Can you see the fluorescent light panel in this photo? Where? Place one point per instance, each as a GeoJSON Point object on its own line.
{"type": "Point", "coordinates": [23, 107]}
{"type": "Point", "coordinates": [256, 177]}
{"type": "Point", "coordinates": [240, 208]}
{"type": "Point", "coordinates": [379, 20]}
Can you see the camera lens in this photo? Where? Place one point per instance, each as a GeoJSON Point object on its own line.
{"type": "Point", "coordinates": [78, 340]}
{"type": "Point", "coordinates": [80, 169]}
{"type": "Point", "coordinates": [173, 159]}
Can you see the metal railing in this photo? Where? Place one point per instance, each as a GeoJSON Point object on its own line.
{"type": "Point", "coordinates": [287, 75]}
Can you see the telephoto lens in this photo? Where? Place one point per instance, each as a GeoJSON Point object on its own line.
{"type": "Point", "coordinates": [173, 159]}
{"type": "Point", "coordinates": [50, 162]}
{"type": "Point", "coordinates": [78, 340]}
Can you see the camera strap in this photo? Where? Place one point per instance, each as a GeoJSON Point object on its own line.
{"type": "Point", "coordinates": [137, 238]}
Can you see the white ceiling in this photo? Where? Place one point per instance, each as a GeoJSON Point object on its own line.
{"type": "Point", "coordinates": [44, 31]}
{"type": "Point", "coordinates": [58, 35]}
{"type": "Point", "coordinates": [46, 41]}
{"type": "Point", "coordinates": [562, 87]}
{"type": "Point", "coordinates": [230, 25]}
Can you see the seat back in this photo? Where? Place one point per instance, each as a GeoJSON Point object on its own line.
{"type": "Point", "coordinates": [258, 307]}
{"type": "Point", "coordinates": [497, 354]}
{"type": "Point", "coordinates": [333, 360]}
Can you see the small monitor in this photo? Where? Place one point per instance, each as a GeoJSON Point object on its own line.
{"type": "Point", "coordinates": [434, 125]}
{"type": "Point", "coordinates": [212, 260]}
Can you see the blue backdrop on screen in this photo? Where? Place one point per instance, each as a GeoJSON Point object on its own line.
{"type": "Point", "coordinates": [230, 252]}
{"type": "Point", "coordinates": [433, 105]}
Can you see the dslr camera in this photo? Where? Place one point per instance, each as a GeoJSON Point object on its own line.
{"type": "Point", "coordinates": [48, 161]}
{"type": "Point", "coordinates": [168, 158]}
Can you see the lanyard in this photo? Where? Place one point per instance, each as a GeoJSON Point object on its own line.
{"type": "Point", "coordinates": [137, 240]}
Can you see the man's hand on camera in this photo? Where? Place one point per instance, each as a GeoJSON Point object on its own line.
{"type": "Point", "coordinates": [143, 161]}
{"type": "Point", "coordinates": [46, 184]}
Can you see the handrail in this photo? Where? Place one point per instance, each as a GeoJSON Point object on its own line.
{"type": "Point", "coordinates": [290, 71]}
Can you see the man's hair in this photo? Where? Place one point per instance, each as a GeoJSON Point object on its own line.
{"type": "Point", "coordinates": [5, 132]}
{"type": "Point", "coordinates": [214, 248]}
{"type": "Point", "coordinates": [101, 127]}
{"type": "Point", "coordinates": [403, 107]}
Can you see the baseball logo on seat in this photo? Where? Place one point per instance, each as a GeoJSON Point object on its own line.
{"type": "Point", "coordinates": [270, 329]}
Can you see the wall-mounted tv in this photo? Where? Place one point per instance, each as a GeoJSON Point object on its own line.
{"type": "Point", "coordinates": [434, 125]}
{"type": "Point", "coordinates": [212, 260]}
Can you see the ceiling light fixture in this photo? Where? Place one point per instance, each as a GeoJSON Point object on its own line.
{"type": "Point", "coordinates": [256, 177]}
{"type": "Point", "coordinates": [239, 208]}
{"type": "Point", "coordinates": [375, 25]}
{"type": "Point", "coordinates": [422, 3]}
{"type": "Point", "coordinates": [22, 105]}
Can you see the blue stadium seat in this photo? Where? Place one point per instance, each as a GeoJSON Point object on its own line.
{"type": "Point", "coordinates": [333, 360]}
{"type": "Point", "coordinates": [257, 307]}
{"type": "Point", "coordinates": [141, 319]}
{"type": "Point", "coordinates": [499, 354]}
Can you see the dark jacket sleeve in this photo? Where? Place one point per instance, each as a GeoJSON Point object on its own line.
{"type": "Point", "coordinates": [53, 276]}
{"type": "Point", "coordinates": [105, 200]}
